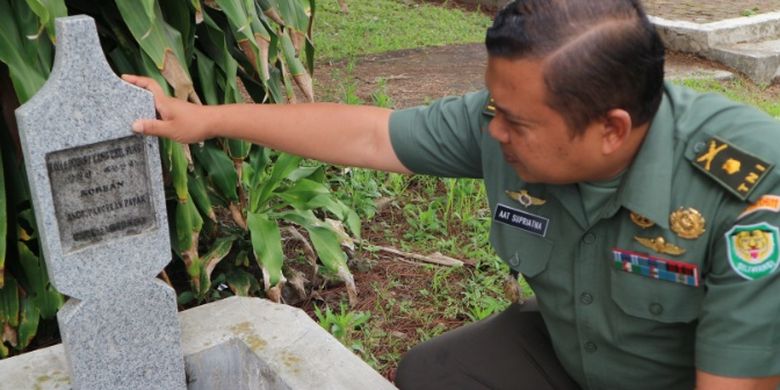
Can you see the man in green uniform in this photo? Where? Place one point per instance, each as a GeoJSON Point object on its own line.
{"type": "Point", "coordinates": [644, 216]}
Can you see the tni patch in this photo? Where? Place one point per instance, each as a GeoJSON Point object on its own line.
{"type": "Point", "coordinates": [522, 220]}
{"type": "Point", "coordinates": [735, 169]}
{"type": "Point", "coordinates": [752, 250]}
{"type": "Point", "coordinates": [656, 268]}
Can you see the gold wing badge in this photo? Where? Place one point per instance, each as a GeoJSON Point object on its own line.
{"type": "Point", "coordinates": [660, 245]}
{"type": "Point", "coordinates": [524, 198]}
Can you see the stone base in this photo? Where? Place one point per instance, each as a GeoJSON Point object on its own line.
{"type": "Point", "coordinates": [236, 343]}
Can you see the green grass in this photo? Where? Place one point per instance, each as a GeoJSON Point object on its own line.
{"type": "Point", "coordinates": [377, 26]}
{"type": "Point", "coordinates": [738, 90]}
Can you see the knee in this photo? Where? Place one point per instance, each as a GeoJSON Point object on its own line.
{"type": "Point", "coordinates": [412, 367]}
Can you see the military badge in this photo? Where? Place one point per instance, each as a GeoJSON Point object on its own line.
{"type": "Point", "coordinates": [687, 223]}
{"type": "Point", "coordinates": [525, 199]}
{"type": "Point", "coordinates": [490, 108]}
{"type": "Point", "coordinates": [740, 172]}
{"type": "Point", "coordinates": [641, 221]}
{"type": "Point", "coordinates": [752, 250]}
{"type": "Point", "coordinates": [765, 203]}
{"type": "Point", "coordinates": [660, 245]}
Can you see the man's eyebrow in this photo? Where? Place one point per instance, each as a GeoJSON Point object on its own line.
{"type": "Point", "coordinates": [510, 114]}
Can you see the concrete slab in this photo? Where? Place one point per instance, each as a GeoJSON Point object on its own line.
{"type": "Point", "coordinates": [695, 37]}
{"type": "Point", "coordinates": [268, 345]}
{"type": "Point", "coordinates": [760, 61]}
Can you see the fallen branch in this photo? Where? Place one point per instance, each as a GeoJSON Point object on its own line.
{"type": "Point", "coordinates": [435, 258]}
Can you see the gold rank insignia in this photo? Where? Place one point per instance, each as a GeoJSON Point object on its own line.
{"type": "Point", "coordinates": [524, 198]}
{"type": "Point", "coordinates": [641, 221]}
{"type": "Point", "coordinates": [687, 223]}
{"type": "Point", "coordinates": [490, 108]}
{"type": "Point", "coordinates": [660, 245]}
{"type": "Point", "coordinates": [733, 168]}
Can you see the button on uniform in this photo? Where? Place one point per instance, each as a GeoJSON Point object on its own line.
{"type": "Point", "coordinates": [656, 309]}
{"type": "Point", "coordinates": [590, 347]}
{"type": "Point", "coordinates": [589, 238]}
{"type": "Point", "coordinates": [586, 298]}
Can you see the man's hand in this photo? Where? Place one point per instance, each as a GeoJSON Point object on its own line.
{"type": "Point", "coordinates": [179, 120]}
{"type": "Point", "coordinates": [707, 381]}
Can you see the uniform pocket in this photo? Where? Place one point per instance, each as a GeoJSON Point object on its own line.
{"type": "Point", "coordinates": [654, 299]}
{"type": "Point", "coordinates": [532, 256]}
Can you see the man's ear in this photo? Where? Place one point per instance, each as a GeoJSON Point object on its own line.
{"type": "Point", "coordinates": [616, 128]}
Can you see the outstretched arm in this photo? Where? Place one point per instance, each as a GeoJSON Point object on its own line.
{"type": "Point", "coordinates": [356, 136]}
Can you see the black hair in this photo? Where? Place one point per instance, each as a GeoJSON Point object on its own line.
{"type": "Point", "coordinates": [597, 55]}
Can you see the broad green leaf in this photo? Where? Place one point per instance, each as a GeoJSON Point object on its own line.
{"type": "Point", "coordinates": [47, 11]}
{"type": "Point", "coordinates": [219, 249]}
{"type": "Point", "coordinates": [196, 185]}
{"type": "Point", "coordinates": [303, 172]}
{"type": "Point", "coordinates": [179, 171]}
{"type": "Point", "coordinates": [162, 43]}
{"type": "Point", "coordinates": [302, 192]}
{"type": "Point", "coordinates": [9, 303]}
{"type": "Point", "coordinates": [40, 289]}
{"type": "Point", "coordinates": [328, 248]}
{"type": "Point", "coordinates": [337, 208]}
{"type": "Point", "coordinates": [207, 77]}
{"type": "Point", "coordinates": [284, 166]}
{"type": "Point", "coordinates": [23, 63]}
{"type": "Point", "coordinates": [267, 246]}
{"type": "Point", "coordinates": [219, 166]}
{"type": "Point", "coordinates": [28, 323]}
{"type": "Point", "coordinates": [239, 282]}
{"type": "Point", "coordinates": [238, 149]}
{"type": "Point", "coordinates": [184, 227]}
{"type": "Point", "coordinates": [3, 222]}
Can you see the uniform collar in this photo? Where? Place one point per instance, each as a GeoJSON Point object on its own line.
{"type": "Point", "coordinates": [647, 189]}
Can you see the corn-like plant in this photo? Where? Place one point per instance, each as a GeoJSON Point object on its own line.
{"type": "Point", "coordinates": [227, 199]}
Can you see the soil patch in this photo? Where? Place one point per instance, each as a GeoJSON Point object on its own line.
{"type": "Point", "coordinates": [710, 10]}
{"type": "Point", "coordinates": [418, 76]}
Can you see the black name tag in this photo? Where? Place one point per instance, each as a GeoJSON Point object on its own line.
{"type": "Point", "coordinates": [522, 220]}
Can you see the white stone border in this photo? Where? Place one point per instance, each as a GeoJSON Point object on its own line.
{"type": "Point", "coordinates": [697, 37]}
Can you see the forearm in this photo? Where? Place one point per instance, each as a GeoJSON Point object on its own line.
{"type": "Point", "coordinates": [334, 133]}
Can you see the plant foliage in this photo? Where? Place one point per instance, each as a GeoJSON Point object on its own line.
{"type": "Point", "coordinates": [231, 204]}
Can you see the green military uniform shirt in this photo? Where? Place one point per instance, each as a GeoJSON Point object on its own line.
{"type": "Point", "coordinates": [679, 269]}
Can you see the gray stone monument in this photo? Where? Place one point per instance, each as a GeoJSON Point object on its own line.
{"type": "Point", "coordinates": [99, 203]}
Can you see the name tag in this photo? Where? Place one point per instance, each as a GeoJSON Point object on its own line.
{"type": "Point", "coordinates": [522, 220]}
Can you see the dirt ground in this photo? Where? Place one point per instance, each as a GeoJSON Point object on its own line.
{"type": "Point", "coordinates": [710, 10]}
{"type": "Point", "coordinates": [699, 11]}
{"type": "Point", "coordinates": [418, 76]}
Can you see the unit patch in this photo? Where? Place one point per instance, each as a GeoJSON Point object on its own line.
{"type": "Point", "coordinates": [764, 203]}
{"type": "Point", "coordinates": [522, 220]}
{"type": "Point", "coordinates": [752, 250]}
{"type": "Point", "coordinates": [735, 169]}
{"type": "Point", "coordinates": [656, 268]}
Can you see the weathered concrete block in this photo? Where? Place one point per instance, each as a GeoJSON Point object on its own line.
{"type": "Point", "coordinates": [235, 343]}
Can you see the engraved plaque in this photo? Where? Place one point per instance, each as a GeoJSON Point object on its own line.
{"type": "Point", "coordinates": [101, 192]}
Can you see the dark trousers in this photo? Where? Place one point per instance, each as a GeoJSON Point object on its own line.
{"type": "Point", "coordinates": [510, 350]}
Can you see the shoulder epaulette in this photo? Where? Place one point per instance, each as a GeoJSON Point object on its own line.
{"type": "Point", "coordinates": [735, 169]}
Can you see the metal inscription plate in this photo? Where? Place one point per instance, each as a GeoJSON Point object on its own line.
{"type": "Point", "coordinates": [101, 192]}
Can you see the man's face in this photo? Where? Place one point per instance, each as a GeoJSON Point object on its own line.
{"type": "Point", "coordinates": [535, 139]}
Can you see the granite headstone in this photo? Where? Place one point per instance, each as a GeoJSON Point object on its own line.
{"type": "Point", "coordinates": [100, 210]}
